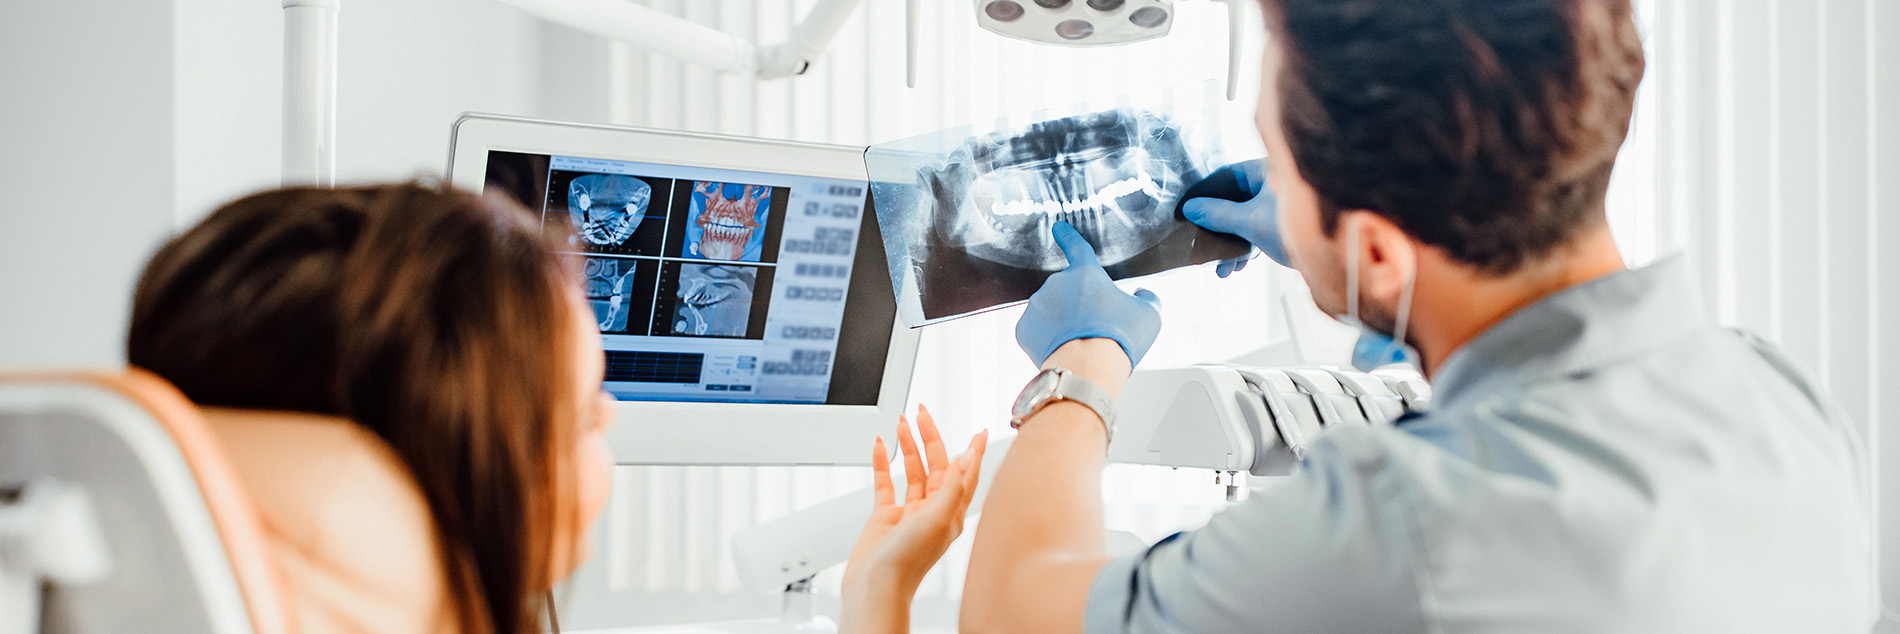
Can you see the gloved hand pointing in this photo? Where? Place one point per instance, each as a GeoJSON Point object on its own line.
{"type": "Point", "coordinates": [1081, 302]}
{"type": "Point", "coordinates": [1256, 217]}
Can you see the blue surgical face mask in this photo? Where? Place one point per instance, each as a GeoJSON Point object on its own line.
{"type": "Point", "coordinates": [1374, 348]}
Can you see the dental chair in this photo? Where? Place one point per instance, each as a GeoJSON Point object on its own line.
{"type": "Point", "coordinates": [124, 507]}
{"type": "Point", "coordinates": [120, 513]}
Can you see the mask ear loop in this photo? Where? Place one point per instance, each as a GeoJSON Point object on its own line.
{"type": "Point", "coordinates": [1400, 321]}
{"type": "Point", "coordinates": [1405, 307]}
{"type": "Point", "coordinates": [1352, 276]}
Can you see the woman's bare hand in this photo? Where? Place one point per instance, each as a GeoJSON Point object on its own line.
{"type": "Point", "coordinates": [902, 541]}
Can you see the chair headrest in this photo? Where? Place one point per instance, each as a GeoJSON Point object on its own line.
{"type": "Point", "coordinates": [233, 515]}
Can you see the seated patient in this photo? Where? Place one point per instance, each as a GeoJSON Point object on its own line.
{"type": "Point", "coordinates": [407, 379]}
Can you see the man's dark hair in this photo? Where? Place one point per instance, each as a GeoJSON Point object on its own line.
{"type": "Point", "coordinates": [1486, 128]}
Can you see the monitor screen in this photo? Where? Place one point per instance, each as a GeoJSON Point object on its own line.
{"type": "Point", "coordinates": [713, 285]}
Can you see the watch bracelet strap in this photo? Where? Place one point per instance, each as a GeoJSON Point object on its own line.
{"type": "Point", "coordinates": [1092, 395]}
{"type": "Point", "coordinates": [1081, 391]}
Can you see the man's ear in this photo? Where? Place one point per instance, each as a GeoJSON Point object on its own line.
{"type": "Point", "coordinates": [1387, 255]}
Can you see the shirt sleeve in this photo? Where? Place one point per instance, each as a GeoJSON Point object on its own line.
{"type": "Point", "coordinates": [1334, 547]}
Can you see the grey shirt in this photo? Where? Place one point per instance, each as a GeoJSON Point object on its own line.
{"type": "Point", "coordinates": [1605, 460]}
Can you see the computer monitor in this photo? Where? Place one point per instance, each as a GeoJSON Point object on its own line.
{"type": "Point", "coordinates": [739, 284]}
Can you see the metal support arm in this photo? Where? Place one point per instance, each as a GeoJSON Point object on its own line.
{"type": "Point", "coordinates": [696, 43]}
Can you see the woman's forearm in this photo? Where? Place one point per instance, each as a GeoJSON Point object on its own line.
{"type": "Point", "coordinates": [877, 603]}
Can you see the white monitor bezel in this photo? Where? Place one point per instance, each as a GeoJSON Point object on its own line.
{"type": "Point", "coordinates": [721, 433]}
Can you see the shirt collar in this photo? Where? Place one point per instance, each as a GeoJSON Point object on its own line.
{"type": "Point", "coordinates": [1584, 326]}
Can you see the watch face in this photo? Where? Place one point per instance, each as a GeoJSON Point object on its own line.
{"type": "Point", "coordinates": [1035, 393]}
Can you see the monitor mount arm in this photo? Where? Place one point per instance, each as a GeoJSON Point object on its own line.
{"type": "Point", "coordinates": [310, 45]}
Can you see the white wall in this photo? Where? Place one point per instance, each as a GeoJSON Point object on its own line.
{"type": "Point", "coordinates": [228, 97]}
{"type": "Point", "coordinates": [86, 184]}
{"type": "Point", "coordinates": [124, 122]}
{"type": "Point", "coordinates": [405, 70]}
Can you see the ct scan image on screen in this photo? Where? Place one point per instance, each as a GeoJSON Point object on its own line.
{"type": "Point", "coordinates": [618, 290]}
{"type": "Point", "coordinates": [708, 284]}
{"type": "Point", "coordinates": [725, 221]}
{"type": "Point", "coordinates": [611, 214]}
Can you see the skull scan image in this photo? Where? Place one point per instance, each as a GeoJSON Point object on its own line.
{"type": "Point", "coordinates": [727, 225]}
{"type": "Point", "coordinates": [605, 208]}
{"type": "Point", "coordinates": [609, 284]}
{"type": "Point", "coordinates": [715, 300]}
{"type": "Point", "coordinates": [1114, 176]}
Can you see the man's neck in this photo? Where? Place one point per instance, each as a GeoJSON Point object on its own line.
{"type": "Point", "coordinates": [1456, 303]}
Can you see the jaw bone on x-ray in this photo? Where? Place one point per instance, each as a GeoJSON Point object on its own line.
{"type": "Point", "coordinates": [605, 208]}
{"type": "Point", "coordinates": [715, 300]}
{"type": "Point", "coordinates": [1112, 175]}
{"type": "Point", "coordinates": [967, 226]}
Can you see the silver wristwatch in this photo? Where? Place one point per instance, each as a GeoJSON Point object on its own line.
{"type": "Point", "coordinates": [1057, 384]}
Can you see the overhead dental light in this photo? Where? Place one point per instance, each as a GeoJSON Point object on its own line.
{"type": "Point", "coordinates": [1077, 22]}
{"type": "Point", "coordinates": [1088, 23]}
{"type": "Point", "coordinates": [1074, 23]}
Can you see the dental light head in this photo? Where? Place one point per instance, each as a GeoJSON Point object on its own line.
{"type": "Point", "coordinates": [1077, 22]}
{"type": "Point", "coordinates": [1086, 23]}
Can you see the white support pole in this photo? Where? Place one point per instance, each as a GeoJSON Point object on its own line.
{"type": "Point", "coordinates": [1236, 38]}
{"type": "Point", "coordinates": [310, 92]}
{"type": "Point", "coordinates": [913, 12]}
{"type": "Point", "coordinates": [19, 601]}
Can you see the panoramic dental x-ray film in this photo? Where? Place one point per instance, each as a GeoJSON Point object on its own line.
{"type": "Point", "coordinates": [966, 218]}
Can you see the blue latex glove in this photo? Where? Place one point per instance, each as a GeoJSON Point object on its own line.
{"type": "Point", "coordinates": [1081, 302]}
{"type": "Point", "coordinates": [1255, 216]}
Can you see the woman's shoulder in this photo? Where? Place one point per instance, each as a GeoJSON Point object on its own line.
{"type": "Point", "coordinates": [350, 529]}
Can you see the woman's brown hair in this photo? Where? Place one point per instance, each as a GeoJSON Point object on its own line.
{"type": "Point", "coordinates": [432, 317]}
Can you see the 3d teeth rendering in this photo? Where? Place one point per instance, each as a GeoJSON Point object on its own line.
{"type": "Point", "coordinates": [727, 224]}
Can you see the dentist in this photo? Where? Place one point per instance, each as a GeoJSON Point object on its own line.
{"type": "Point", "coordinates": [1600, 455]}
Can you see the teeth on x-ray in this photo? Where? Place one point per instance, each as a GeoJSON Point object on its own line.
{"type": "Point", "coordinates": [1114, 175]}
{"type": "Point", "coordinates": [605, 208]}
{"type": "Point", "coordinates": [1100, 202]}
